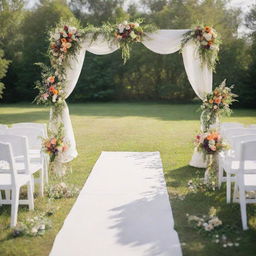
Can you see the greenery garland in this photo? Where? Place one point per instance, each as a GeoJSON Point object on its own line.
{"type": "Point", "coordinates": [207, 41]}
{"type": "Point", "coordinates": [217, 104]}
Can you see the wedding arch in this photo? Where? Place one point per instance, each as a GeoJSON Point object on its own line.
{"type": "Point", "coordinates": [68, 46]}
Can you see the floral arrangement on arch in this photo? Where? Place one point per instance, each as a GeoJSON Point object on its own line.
{"type": "Point", "coordinates": [217, 104]}
{"type": "Point", "coordinates": [64, 41]}
{"type": "Point", "coordinates": [207, 41]}
{"type": "Point", "coordinates": [51, 89]}
{"type": "Point", "coordinates": [210, 142]}
{"type": "Point", "coordinates": [55, 144]}
{"type": "Point", "coordinates": [126, 33]}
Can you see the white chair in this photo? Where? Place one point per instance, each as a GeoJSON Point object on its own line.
{"type": "Point", "coordinates": [227, 135]}
{"type": "Point", "coordinates": [229, 125]}
{"type": "Point", "coordinates": [11, 180]}
{"type": "Point", "coordinates": [35, 125]}
{"type": "Point", "coordinates": [20, 150]}
{"type": "Point", "coordinates": [230, 164]}
{"type": "Point", "coordinates": [43, 127]}
{"type": "Point", "coordinates": [3, 128]}
{"type": "Point", "coordinates": [35, 145]}
{"type": "Point", "coordinates": [246, 177]}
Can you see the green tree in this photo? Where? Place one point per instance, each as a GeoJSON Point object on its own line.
{"type": "Point", "coordinates": [3, 69]}
{"type": "Point", "coordinates": [34, 45]}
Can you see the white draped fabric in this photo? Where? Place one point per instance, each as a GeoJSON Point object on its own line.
{"type": "Point", "coordinates": [161, 42]}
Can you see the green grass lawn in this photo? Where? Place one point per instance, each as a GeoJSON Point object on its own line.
{"type": "Point", "coordinates": [169, 129]}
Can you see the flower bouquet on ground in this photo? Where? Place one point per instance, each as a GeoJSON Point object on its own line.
{"type": "Point", "coordinates": [207, 41]}
{"type": "Point", "coordinates": [210, 143]}
{"type": "Point", "coordinates": [217, 104]}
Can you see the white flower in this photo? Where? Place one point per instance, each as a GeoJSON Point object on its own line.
{"type": "Point", "coordinates": [34, 230]}
{"type": "Point", "coordinates": [121, 28]}
{"type": "Point", "coordinates": [136, 24]}
{"type": "Point", "coordinates": [230, 244]}
{"type": "Point", "coordinates": [54, 97]}
{"type": "Point", "coordinates": [127, 27]}
{"type": "Point", "coordinates": [125, 22]}
{"type": "Point", "coordinates": [65, 34]}
{"type": "Point", "coordinates": [236, 244]}
{"type": "Point", "coordinates": [217, 241]}
{"type": "Point", "coordinates": [207, 36]}
{"type": "Point", "coordinates": [56, 36]}
{"type": "Point", "coordinates": [72, 30]}
{"type": "Point", "coordinates": [209, 227]}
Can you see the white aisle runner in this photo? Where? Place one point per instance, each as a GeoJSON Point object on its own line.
{"type": "Point", "coordinates": [122, 210]}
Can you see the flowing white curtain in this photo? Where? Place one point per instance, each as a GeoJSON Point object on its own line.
{"type": "Point", "coordinates": [161, 42]}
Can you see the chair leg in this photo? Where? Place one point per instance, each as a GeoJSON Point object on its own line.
{"type": "Point", "coordinates": [235, 193]}
{"type": "Point", "coordinates": [1, 198]}
{"type": "Point", "coordinates": [30, 196]}
{"type": "Point", "coordinates": [220, 177]}
{"type": "Point", "coordinates": [228, 184]}
{"type": "Point", "coordinates": [41, 182]}
{"type": "Point", "coordinates": [15, 205]}
{"type": "Point", "coordinates": [243, 208]}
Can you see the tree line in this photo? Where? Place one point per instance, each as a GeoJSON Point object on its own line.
{"type": "Point", "coordinates": [147, 75]}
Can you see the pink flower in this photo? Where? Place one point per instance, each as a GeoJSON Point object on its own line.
{"type": "Point", "coordinates": [45, 96]}
{"type": "Point", "coordinates": [53, 141]}
{"type": "Point", "coordinates": [64, 148]}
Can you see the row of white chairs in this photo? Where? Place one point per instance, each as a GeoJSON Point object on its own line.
{"type": "Point", "coordinates": [21, 157]}
{"type": "Point", "coordinates": [239, 164]}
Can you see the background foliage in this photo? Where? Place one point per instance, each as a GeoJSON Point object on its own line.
{"type": "Point", "coordinates": [146, 76]}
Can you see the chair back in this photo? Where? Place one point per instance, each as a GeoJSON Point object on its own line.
{"type": "Point", "coordinates": [6, 156]}
{"type": "Point", "coordinates": [228, 133]}
{"type": "Point", "coordinates": [235, 142]}
{"type": "Point", "coordinates": [247, 154]}
{"type": "Point", "coordinates": [33, 134]}
{"type": "Point", "coordinates": [3, 128]}
{"type": "Point", "coordinates": [19, 146]}
{"type": "Point", "coordinates": [35, 125]}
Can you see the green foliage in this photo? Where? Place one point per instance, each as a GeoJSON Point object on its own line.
{"type": "Point", "coordinates": [3, 69]}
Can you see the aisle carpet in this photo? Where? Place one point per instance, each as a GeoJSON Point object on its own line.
{"type": "Point", "coordinates": [122, 210]}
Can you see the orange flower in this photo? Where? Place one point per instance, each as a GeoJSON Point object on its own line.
{"type": "Point", "coordinates": [55, 91]}
{"type": "Point", "coordinates": [217, 100]}
{"type": "Point", "coordinates": [63, 40]}
{"type": "Point", "coordinates": [210, 101]}
{"type": "Point", "coordinates": [208, 29]}
{"type": "Point", "coordinates": [212, 136]}
{"type": "Point", "coordinates": [70, 34]}
{"type": "Point", "coordinates": [51, 79]}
